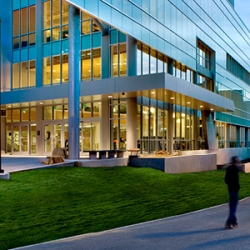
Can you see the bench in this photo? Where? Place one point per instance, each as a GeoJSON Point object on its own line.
{"type": "Point", "coordinates": [133, 151]}
{"type": "Point", "coordinates": [105, 154]}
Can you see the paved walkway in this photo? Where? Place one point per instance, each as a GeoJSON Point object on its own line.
{"type": "Point", "coordinates": [199, 230]}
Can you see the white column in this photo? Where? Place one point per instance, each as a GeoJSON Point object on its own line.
{"type": "Point", "coordinates": [131, 123]}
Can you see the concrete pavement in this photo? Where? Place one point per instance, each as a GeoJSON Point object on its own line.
{"type": "Point", "coordinates": [201, 230]}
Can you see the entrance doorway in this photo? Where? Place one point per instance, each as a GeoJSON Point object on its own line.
{"type": "Point", "coordinates": [56, 136]}
{"type": "Point", "coordinates": [21, 139]}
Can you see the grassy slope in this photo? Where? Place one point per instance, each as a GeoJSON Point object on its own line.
{"type": "Point", "coordinates": [42, 205]}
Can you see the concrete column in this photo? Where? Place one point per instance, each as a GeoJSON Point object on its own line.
{"type": "Point", "coordinates": [39, 135]}
{"type": "Point", "coordinates": [131, 48]}
{"type": "Point", "coordinates": [131, 123]}
{"type": "Point", "coordinates": [238, 143]}
{"type": "Point", "coordinates": [246, 136]}
{"type": "Point", "coordinates": [170, 129]}
{"type": "Point", "coordinates": [39, 43]}
{"type": "Point", "coordinates": [105, 57]}
{"type": "Point", "coordinates": [74, 82]}
{"type": "Point", "coordinates": [208, 129]}
{"type": "Point", "coordinates": [105, 129]}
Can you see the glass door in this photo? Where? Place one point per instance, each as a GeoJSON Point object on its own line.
{"type": "Point", "coordinates": [24, 139]}
{"type": "Point", "coordinates": [48, 138]}
{"type": "Point", "coordinates": [89, 136]}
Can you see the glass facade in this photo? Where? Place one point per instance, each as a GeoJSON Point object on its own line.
{"type": "Point", "coordinates": [166, 40]}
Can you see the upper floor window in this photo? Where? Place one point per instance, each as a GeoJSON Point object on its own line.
{"type": "Point", "coordinates": [204, 55]}
{"type": "Point", "coordinates": [55, 20]}
{"type": "Point", "coordinates": [24, 27]}
{"type": "Point", "coordinates": [24, 74]}
{"type": "Point", "coordinates": [88, 25]}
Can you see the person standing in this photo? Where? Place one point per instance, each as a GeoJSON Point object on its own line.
{"type": "Point", "coordinates": [233, 184]}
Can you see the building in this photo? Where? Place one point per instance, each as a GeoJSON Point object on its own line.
{"type": "Point", "coordinates": [169, 75]}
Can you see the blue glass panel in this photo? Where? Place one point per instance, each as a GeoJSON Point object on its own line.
{"type": "Point", "coordinates": [117, 4]}
{"type": "Point", "coordinates": [46, 50]}
{"type": "Point", "coordinates": [105, 12]}
{"type": "Point", "coordinates": [92, 6]}
{"type": "Point", "coordinates": [16, 4]}
{"type": "Point", "coordinates": [31, 2]}
{"type": "Point", "coordinates": [127, 7]}
{"type": "Point", "coordinates": [16, 56]}
{"type": "Point", "coordinates": [86, 42]}
{"type": "Point", "coordinates": [24, 54]}
{"type": "Point", "coordinates": [137, 30]}
{"type": "Point", "coordinates": [56, 48]}
{"type": "Point", "coordinates": [127, 25]}
{"type": "Point", "coordinates": [97, 39]}
{"type": "Point", "coordinates": [116, 18]}
{"type": "Point", "coordinates": [137, 14]}
{"type": "Point", "coordinates": [113, 36]}
{"type": "Point", "coordinates": [32, 53]}
{"type": "Point", "coordinates": [138, 2]}
{"type": "Point", "coordinates": [122, 37]}
{"type": "Point", "coordinates": [65, 46]}
{"type": "Point", "coordinates": [24, 3]}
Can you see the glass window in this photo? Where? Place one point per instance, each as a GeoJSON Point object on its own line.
{"type": "Point", "coordinates": [24, 76]}
{"type": "Point", "coordinates": [56, 69]}
{"type": "Point", "coordinates": [86, 27]}
{"type": "Point", "coordinates": [24, 41]}
{"type": "Point", "coordinates": [46, 71]}
{"type": "Point", "coordinates": [66, 113]}
{"type": "Point", "coordinates": [114, 60]}
{"type": "Point", "coordinates": [160, 63]}
{"type": "Point", "coordinates": [152, 61]}
{"type": "Point", "coordinates": [32, 39]}
{"type": "Point", "coordinates": [145, 60]}
{"type": "Point", "coordinates": [24, 21]}
{"type": "Point", "coordinates": [8, 115]}
{"type": "Point", "coordinates": [46, 36]}
{"type": "Point", "coordinates": [32, 73]}
{"type": "Point", "coordinates": [15, 43]}
{"type": "Point", "coordinates": [16, 115]}
{"type": "Point", "coordinates": [86, 65]}
{"type": "Point", "coordinates": [15, 75]}
{"type": "Point", "coordinates": [15, 23]}
{"type": "Point", "coordinates": [97, 63]}
{"type": "Point", "coordinates": [32, 19]}
{"type": "Point", "coordinates": [96, 109]}
{"type": "Point", "coordinates": [65, 33]}
{"type": "Point", "coordinates": [58, 112]}
{"type": "Point", "coordinates": [65, 66]}
{"type": "Point", "coordinates": [86, 110]}
{"type": "Point", "coordinates": [123, 60]}
{"type": "Point", "coordinates": [47, 113]}
{"type": "Point", "coordinates": [46, 15]}
{"type": "Point", "coordinates": [32, 114]}
{"type": "Point", "coordinates": [55, 34]}
{"type": "Point", "coordinates": [25, 115]}
{"type": "Point", "coordinates": [65, 13]}
{"type": "Point", "coordinates": [139, 54]}
{"type": "Point", "coordinates": [55, 13]}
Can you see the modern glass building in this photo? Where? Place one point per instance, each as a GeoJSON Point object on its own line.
{"type": "Point", "coordinates": [168, 75]}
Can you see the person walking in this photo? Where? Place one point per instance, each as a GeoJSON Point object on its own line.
{"type": "Point", "coordinates": [233, 184]}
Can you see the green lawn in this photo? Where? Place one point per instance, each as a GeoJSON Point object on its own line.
{"type": "Point", "coordinates": [42, 205]}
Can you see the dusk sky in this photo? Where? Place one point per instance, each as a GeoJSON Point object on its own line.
{"type": "Point", "coordinates": [242, 7]}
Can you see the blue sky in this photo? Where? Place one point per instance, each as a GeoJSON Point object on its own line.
{"type": "Point", "coordinates": [242, 7]}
